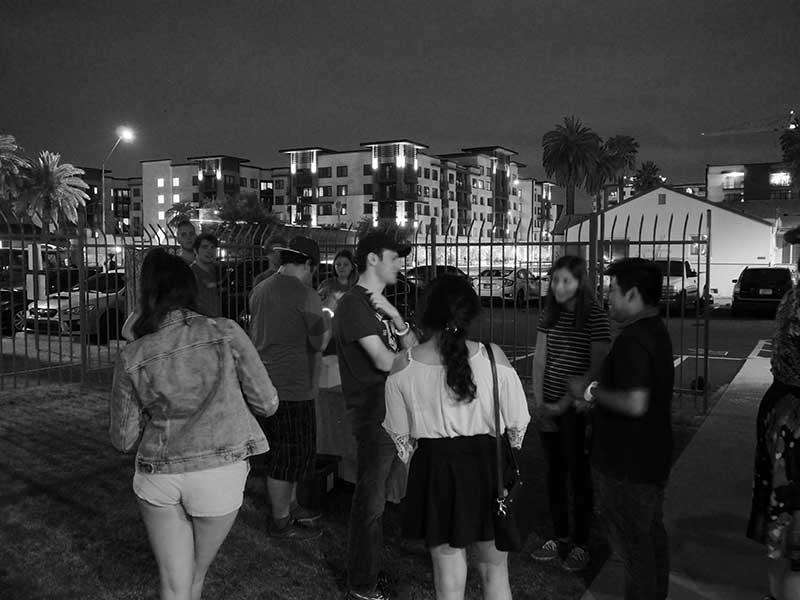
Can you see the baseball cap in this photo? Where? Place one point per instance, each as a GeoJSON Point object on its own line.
{"type": "Point", "coordinates": [302, 245]}
{"type": "Point", "coordinates": [377, 242]}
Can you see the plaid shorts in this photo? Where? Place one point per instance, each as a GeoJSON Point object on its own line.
{"type": "Point", "coordinates": [292, 436]}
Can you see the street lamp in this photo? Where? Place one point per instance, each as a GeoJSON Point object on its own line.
{"type": "Point", "coordinates": [124, 134]}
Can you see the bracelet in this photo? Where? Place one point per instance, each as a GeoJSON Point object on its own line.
{"type": "Point", "coordinates": [587, 393]}
{"type": "Point", "coordinates": [328, 310]}
{"type": "Point", "coordinates": [404, 331]}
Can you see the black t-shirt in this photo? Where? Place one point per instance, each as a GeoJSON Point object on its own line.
{"type": "Point", "coordinates": [362, 382]}
{"type": "Point", "coordinates": [637, 449]}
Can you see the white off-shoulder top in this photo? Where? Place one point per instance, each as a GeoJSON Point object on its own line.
{"type": "Point", "coordinates": [419, 404]}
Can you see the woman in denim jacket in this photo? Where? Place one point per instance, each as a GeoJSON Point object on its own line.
{"type": "Point", "coordinates": [186, 389]}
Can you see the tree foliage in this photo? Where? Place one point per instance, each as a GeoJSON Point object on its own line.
{"type": "Point", "coordinates": [647, 177]}
{"type": "Point", "coordinates": [570, 154]}
{"type": "Point", "coordinates": [54, 191]}
{"type": "Point", "coordinates": [245, 208]}
{"type": "Point", "coordinates": [790, 147]}
{"type": "Point", "coordinates": [13, 167]}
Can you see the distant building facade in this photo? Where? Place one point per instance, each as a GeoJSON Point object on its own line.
{"type": "Point", "coordinates": [760, 189]}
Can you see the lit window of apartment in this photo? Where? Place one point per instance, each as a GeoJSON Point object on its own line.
{"type": "Point", "coordinates": [419, 190]}
{"type": "Point", "coordinates": [176, 181]}
{"type": "Point", "coordinates": [341, 171]}
{"type": "Point", "coordinates": [732, 180]}
{"type": "Point", "coordinates": [341, 190]}
{"type": "Point", "coordinates": [176, 198]}
{"type": "Point", "coordinates": [474, 199]}
{"type": "Point", "coordinates": [474, 182]}
{"type": "Point", "coordinates": [451, 195]}
{"type": "Point", "coordinates": [781, 179]}
{"type": "Point", "coordinates": [426, 191]}
{"type": "Point", "coordinates": [266, 185]}
{"type": "Point", "coordinates": [160, 198]}
{"type": "Point", "coordinates": [480, 184]}
{"type": "Point", "coordinates": [324, 191]}
{"type": "Point", "coordinates": [160, 182]}
{"type": "Point", "coordinates": [161, 215]}
{"type": "Point", "coordinates": [344, 209]}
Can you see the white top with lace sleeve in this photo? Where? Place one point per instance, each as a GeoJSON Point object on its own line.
{"type": "Point", "coordinates": [420, 404]}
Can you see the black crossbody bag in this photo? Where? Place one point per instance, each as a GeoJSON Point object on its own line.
{"type": "Point", "coordinates": [507, 535]}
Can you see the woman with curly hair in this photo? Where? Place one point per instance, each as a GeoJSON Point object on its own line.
{"type": "Point", "coordinates": [775, 511]}
{"type": "Point", "coordinates": [440, 408]}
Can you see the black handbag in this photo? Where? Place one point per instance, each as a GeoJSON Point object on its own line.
{"type": "Point", "coordinates": [507, 535]}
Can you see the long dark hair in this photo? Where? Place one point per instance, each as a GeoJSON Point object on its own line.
{"type": "Point", "coordinates": [584, 296]}
{"type": "Point", "coordinates": [167, 283]}
{"type": "Point", "coordinates": [349, 256]}
{"type": "Point", "coordinates": [450, 307]}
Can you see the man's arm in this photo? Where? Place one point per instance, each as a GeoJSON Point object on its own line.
{"type": "Point", "coordinates": [381, 356]}
{"type": "Point", "coordinates": [631, 403]}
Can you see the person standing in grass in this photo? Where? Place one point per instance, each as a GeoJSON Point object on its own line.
{"type": "Point", "coordinates": [572, 340]}
{"type": "Point", "coordinates": [184, 394]}
{"type": "Point", "coordinates": [440, 408]}
{"type": "Point", "coordinates": [631, 404]}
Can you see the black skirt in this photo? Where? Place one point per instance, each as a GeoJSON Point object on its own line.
{"type": "Point", "coordinates": [451, 488]}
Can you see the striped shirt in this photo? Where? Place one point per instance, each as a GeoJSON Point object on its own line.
{"type": "Point", "coordinates": [569, 351]}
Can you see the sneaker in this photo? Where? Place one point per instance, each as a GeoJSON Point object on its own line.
{"type": "Point", "coordinates": [547, 552]}
{"type": "Point", "coordinates": [577, 559]}
{"type": "Point", "coordinates": [303, 515]}
{"type": "Point", "coordinates": [292, 532]}
{"type": "Point", "coordinates": [376, 595]}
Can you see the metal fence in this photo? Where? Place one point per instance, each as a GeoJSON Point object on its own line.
{"type": "Point", "coordinates": [65, 297]}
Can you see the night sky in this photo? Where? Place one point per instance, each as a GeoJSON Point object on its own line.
{"type": "Point", "coordinates": [247, 78]}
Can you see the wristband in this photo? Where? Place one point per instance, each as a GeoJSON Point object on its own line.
{"type": "Point", "coordinates": [587, 393]}
{"type": "Point", "coordinates": [328, 310]}
{"type": "Point", "coordinates": [404, 331]}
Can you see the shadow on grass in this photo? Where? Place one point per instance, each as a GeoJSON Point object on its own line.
{"type": "Point", "coordinates": [71, 529]}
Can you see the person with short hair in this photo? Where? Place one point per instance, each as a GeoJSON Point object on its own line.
{"type": "Point", "coordinates": [186, 234]}
{"type": "Point", "coordinates": [290, 330]}
{"type": "Point", "coordinates": [369, 333]}
{"type": "Point", "coordinates": [273, 258]}
{"type": "Point", "coordinates": [632, 409]}
{"type": "Point", "coordinates": [184, 393]}
{"type": "Point", "coordinates": [206, 270]}
{"type": "Point", "coordinates": [440, 416]}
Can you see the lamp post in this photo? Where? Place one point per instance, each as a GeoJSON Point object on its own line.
{"type": "Point", "coordinates": [124, 134]}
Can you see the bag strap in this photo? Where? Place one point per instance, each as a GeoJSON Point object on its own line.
{"type": "Point", "coordinates": [498, 443]}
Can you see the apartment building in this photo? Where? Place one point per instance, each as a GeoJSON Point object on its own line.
{"type": "Point", "coordinates": [759, 189]}
{"type": "Point", "coordinates": [611, 190]}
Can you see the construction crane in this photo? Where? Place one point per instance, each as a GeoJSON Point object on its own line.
{"type": "Point", "coordinates": [764, 126]}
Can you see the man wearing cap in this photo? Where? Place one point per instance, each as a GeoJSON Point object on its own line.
{"type": "Point", "coordinates": [369, 333]}
{"type": "Point", "coordinates": [289, 329]}
{"type": "Point", "coordinates": [273, 256]}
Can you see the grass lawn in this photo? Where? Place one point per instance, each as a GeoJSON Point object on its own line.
{"type": "Point", "coordinates": [70, 527]}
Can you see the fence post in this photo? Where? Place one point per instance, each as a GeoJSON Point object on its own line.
{"type": "Point", "coordinates": [82, 336]}
{"type": "Point", "coordinates": [593, 250]}
{"type": "Point", "coordinates": [432, 229]}
{"type": "Point", "coordinates": [707, 309]}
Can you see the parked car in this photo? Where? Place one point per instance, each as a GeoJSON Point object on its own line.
{"type": "Point", "coordinates": [104, 308]}
{"type": "Point", "coordinates": [680, 288]}
{"type": "Point", "coordinates": [761, 289]}
{"type": "Point", "coordinates": [421, 276]}
{"type": "Point", "coordinates": [519, 285]}
{"type": "Point", "coordinates": [12, 310]}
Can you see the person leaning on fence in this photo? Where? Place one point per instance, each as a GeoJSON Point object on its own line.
{"type": "Point", "coordinates": [572, 340]}
{"type": "Point", "coordinates": [632, 428]}
{"type": "Point", "coordinates": [439, 399]}
{"type": "Point", "coordinates": [206, 271]}
{"type": "Point", "coordinates": [185, 391]}
{"type": "Point", "coordinates": [186, 235]}
{"type": "Point", "coordinates": [774, 517]}
{"type": "Point", "coordinates": [290, 329]}
{"type": "Point", "coordinates": [369, 333]}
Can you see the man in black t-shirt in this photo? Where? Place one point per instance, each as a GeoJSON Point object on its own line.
{"type": "Point", "coordinates": [369, 332]}
{"type": "Point", "coordinates": [632, 449]}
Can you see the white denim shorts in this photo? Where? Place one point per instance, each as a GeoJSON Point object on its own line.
{"type": "Point", "coordinates": [207, 493]}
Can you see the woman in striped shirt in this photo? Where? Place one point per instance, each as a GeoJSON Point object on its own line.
{"type": "Point", "coordinates": [572, 340]}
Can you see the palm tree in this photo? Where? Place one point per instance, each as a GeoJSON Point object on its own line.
{"type": "Point", "coordinates": [602, 172]}
{"type": "Point", "coordinates": [179, 212]}
{"type": "Point", "coordinates": [54, 192]}
{"type": "Point", "coordinates": [12, 170]}
{"type": "Point", "coordinates": [570, 154]}
{"type": "Point", "coordinates": [790, 146]}
{"type": "Point", "coordinates": [622, 150]}
{"type": "Point", "coordinates": [647, 177]}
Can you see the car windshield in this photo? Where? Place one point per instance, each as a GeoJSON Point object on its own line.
{"type": "Point", "coordinates": [495, 273]}
{"type": "Point", "coordinates": [105, 283]}
{"type": "Point", "coordinates": [675, 267]}
{"type": "Point", "coordinates": [766, 277]}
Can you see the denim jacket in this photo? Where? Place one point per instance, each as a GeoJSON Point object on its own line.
{"type": "Point", "coordinates": [186, 392]}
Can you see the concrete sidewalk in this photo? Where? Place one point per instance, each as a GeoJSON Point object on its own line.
{"type": "Point", "coordinates": [708, 504]}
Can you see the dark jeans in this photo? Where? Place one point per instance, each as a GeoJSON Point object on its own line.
{"type": "Point", "coordinates": [568, 463]}
{"type": "Point", "coordinates": [375, 454]}
{"type": "Point", "coordinates": [634, 515]}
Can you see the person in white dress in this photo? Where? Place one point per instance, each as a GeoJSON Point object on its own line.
{"type": "Point", "coordinates": [440, 415]}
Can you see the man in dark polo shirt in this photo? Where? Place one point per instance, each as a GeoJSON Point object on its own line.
{"type": "Point", "coordinates": [290, 329]}
{"type": "Point", "coordinates": [369, 333]}
{"type": "Point", "coordinates": [632, 449]}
